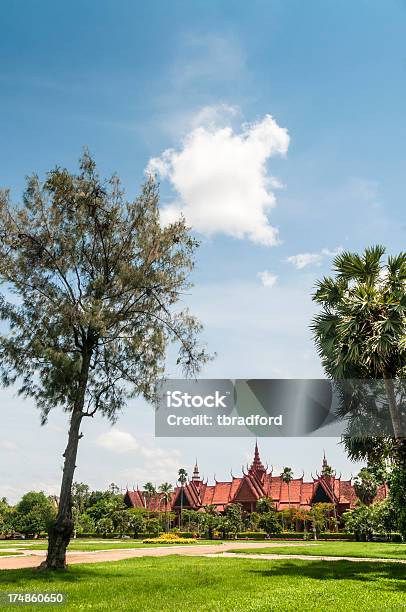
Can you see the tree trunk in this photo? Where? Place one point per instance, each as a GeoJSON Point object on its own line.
{"type": "Point", "coordinates": [393, 408]}
{"type": "Point", "coordinates": [61, 531]}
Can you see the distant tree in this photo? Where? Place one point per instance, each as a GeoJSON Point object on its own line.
{"type": "Point", "coordinates": [152, 526]}
{"type": "Point", "coordinates": [34, 513]}
{"type": "Point", "coordinates": [149, 493]}
{"type": "Point", "coordinates": [287, 477]}
{"type": "Point", "coordinates": [166, 491]}
{"type": "Point", "coordinates": [182, 479]}
{"type": "Point", "coordinates": [320, 515]}
{"type": "Point", "coordinates": [105, 526]}
{"type": "Point", "coordinates": [96, 282]}
{"type": "Point", "coordinates": [269, 522]}
{"type": "Point", "coordinates": [137, 521]}
{"type": "Point", "coordinates": [359, 522]}
{"type": "Point", "coordinates": [383, 517]}
{"type": "Point", "coordinates": [253, 521]}
{"type": "Point", "coordinates": [234, 518]}
{"type": "Point", "coordinates": [209, 520]}
{"type": "Point", "coordinates": [7, 518]}
{"type": "Point", "coordinates": [114, 489]}
{"type": "Point", "coordinates": [265, 504]}
{"type": "Point", "coordinates": [365, 486]}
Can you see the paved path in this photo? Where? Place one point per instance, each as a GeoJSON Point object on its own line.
{"type": "Point", "coordinates": [32, 558]}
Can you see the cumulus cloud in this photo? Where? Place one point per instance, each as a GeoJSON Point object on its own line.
{"type": "Point", "coordinates": [301, 260]}
{"type": "Point", "coordinates": [220, 177]}
{"type": "Point", "coordinates": [117, 441]}
{"type": "Point", "coordinates": [267, 278]}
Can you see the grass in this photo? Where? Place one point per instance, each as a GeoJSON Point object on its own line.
{"type": "Point", "coordinates": [201, 584]}
{"type": "Point", "coordinates": [85, 545]}
{"type": "Point", "coordinates": [4, 553]}
{"type": "Point", "coordinates": [381, 550]}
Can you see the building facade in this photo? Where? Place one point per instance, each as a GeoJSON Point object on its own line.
{"type": "Point", "coordinates": [256, 482]}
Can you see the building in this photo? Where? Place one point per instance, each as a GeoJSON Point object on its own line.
{"type": "Point", "coordinates": [256, 482]}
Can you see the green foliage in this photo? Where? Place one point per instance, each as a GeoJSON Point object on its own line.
{"type": "Point", "coordinates": [105, 526]}
{"type": "Point", "coordinates": [265, 504]}
{"type": "Point", "coordinates": [320, 516]}
{"type": "Point", "coordinates": [96, 276]}
{"type": "Point", "coordinates": [361, 329]}
{"type": "Point", "coordinates": [365, 521]}
{"type": "Point", "coordinates": [360, 332]}
{"type": "Point", "coordinates": [269, 522]}
{"type": "Point", "coordinates": [34, 513]}
{"type": "Point", "coordinates": [7, 518]}
{"type": "Point", "coordinates": [365, 486]}
{"type": "Point", "coordinates": [397, 496]}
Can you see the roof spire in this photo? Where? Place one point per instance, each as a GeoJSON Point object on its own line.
{"type": "Point", "coordinates": [257, 466]}
{"type": "Point", "coordinates": [196, 475]}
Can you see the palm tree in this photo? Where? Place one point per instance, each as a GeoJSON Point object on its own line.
{"type": "Point", "coordinates": [165, 490]}
{"type": "Point", "coordinates": [287, 477]}
{"type": "Point", "coordinates": [182, 479]}
{"type": "Point", "coordinates": [149, 493]}
{"type": "Point", "coordinates": [360, 332]}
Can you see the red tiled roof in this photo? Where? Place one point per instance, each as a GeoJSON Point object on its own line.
{"type": "Point", "coordinates": [255, 484]}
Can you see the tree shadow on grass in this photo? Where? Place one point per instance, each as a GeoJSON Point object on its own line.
{"type": "Point", "coordinates": [393, 573]}
{"type": "Point", "coordinates": [74, 574]}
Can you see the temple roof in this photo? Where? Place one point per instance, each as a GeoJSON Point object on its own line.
{"type": "Point", "coordinates": [257, 483]}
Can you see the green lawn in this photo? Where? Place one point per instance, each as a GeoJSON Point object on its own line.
{"type": "Point", "coordinates": [4, 553]}
{"type": "Point", "coordinates": [382, 550]}
{"type": "Point", "coordinates": [196, 584]}
{"type": "Point", "coordinates": [15, 543]}
{"type": "Point", "coordinates": [92, 545]}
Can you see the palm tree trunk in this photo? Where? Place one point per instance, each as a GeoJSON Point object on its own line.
{"type": "Point", "coordinates": [393, 408]}
{"type": "Point", "coordinates": [181, 507]}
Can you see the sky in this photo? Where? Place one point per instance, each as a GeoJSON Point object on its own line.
{"type": "Point", "coordinates": [276, 127]}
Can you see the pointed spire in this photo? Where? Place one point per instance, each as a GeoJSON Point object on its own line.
{"type": "Point", "coordinates": [196, 474]}
{"type": "Point", "coordinates": [257, 467]}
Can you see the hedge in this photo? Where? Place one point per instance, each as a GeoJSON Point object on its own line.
{"type": "Point", "coordinates": [292, 535]}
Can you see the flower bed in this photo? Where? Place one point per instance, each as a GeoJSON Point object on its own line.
{"type": "Point", "coordinates": [169, 538]}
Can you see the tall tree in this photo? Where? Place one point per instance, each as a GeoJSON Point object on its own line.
{"type": "Point", "coordinates": [165, 490]}
{"type": "Point", "coordinates": [361, 329]}
{"type": "Point", "coordinates": [149, 493]}
{"type": "Point", "coordinates": [360, 333]}
{"type": "Point", "coordinates": [287, 477]}
{"type": "Point", "coordinates": [91, 283]}
{"type": "Point", "coordinates": [365, 486]}
{"type": "Point", "coordinates": [182, 479]}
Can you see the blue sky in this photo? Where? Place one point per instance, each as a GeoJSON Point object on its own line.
{"type": "Point", "coordinates": [131, 80]}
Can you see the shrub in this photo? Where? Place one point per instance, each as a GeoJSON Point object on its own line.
{"type": "Point", "coordinates": [251, 535]}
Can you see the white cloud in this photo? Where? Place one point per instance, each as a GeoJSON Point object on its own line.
{"type": "Point", "coordinates": [8, 445]}
{"type": "Point", "coordinates": [301, 260]}
{"type": "Point", "coordinates": [117, 441]}
{"type": "Point", "coordinates": [267, 278]}
{"type": "Point", "coordinates": [220, 177]}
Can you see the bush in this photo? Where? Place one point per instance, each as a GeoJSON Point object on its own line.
{"type": "Point", "coordinates": [293, 535]}
{"type": "Point", "coordinates": [251, 535]}
{"type": "Point", "coordinates": [396, 537]}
